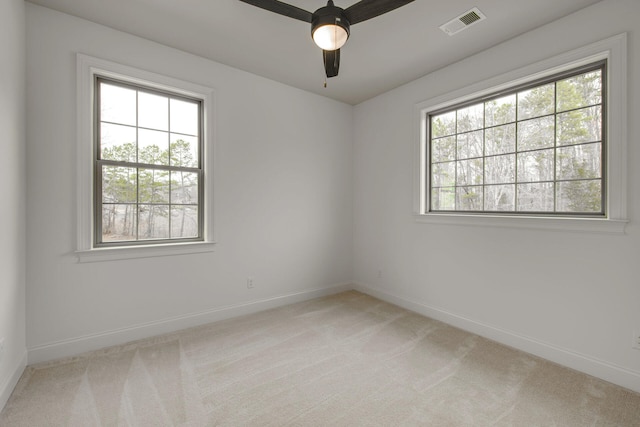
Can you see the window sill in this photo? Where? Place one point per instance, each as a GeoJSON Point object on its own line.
{"type": "Point", "coordinates": [593, 225]}
{"type": "Point", "coordinates": [147, 251]}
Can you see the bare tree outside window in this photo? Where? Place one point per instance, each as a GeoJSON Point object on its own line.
{"type": "Point", "coordinates": [534, 150]}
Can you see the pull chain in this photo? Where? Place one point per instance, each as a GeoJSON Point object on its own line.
{"type": "Point", "coordinates": [335, 38]}
{"type": "Point", "coordinates": [335, 56]}
{"type": "Point", "coordinates": [335, 51]}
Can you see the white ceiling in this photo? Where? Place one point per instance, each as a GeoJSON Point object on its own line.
{"type": "Point", "coordinates": [381, 54]}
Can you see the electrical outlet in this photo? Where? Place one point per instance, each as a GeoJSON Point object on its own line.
{"type": "Point", "coordinates": [636, 340]}
{"type": "Point", "coordinates": [250, 283]}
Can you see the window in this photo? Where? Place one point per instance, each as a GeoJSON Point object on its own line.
{"type": "Point", "coordinates": [533, 149]}
{"type": "Point", "coordinates": [539, 147]}
{"type": "Point", "coordinates": [148, 167]}
{"type": "Point", "coordinates": [145, 163]}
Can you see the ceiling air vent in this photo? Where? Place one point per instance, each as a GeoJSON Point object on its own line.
{"type": "Point", "coordinates": [463, 21]}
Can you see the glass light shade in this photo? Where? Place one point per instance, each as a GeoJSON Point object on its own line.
{"type": "Point", "coordinates": [330, 37]}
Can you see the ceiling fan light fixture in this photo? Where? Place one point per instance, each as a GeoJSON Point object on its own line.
{"type": "Point", "coordinates": [330, 36]}
{"type": "Point", "coordinates": [329, 27]}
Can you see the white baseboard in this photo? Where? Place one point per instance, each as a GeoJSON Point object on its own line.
{"type": "Point", "coordinates": [78, 345]}
{"type": "Point", "coordinates": [589, 365]}
{"type": "Point", "coordinates": [10, 383]}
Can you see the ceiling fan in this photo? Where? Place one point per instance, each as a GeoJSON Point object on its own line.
{"type": "Point", "coordinates": [330, 25]}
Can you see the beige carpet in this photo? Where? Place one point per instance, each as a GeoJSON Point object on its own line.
{"type": "Point", "coordinates": [344, 360]}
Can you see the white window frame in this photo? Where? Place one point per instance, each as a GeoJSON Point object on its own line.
{"type": "Point", "coordinates": [614, 50]}
{"type": "Point", "coordinates": [88, 68]}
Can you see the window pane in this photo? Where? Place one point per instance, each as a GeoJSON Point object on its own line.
{"type": "Point", "coordinates": [469, 198]}
{"type": "Point", "coordinates": [184, 221]}
{"type": "Point", "coordinates": [118, 184]}
{"type": "Point", "coordinates": [577, 126]}
{"type": "Point", "coordinates": [117, 104]}
{"type": "Point", "coordinates": [147, 131]}
{"type": "Point", "coordinates": [153, 111]}
{"type": "Point", "coordinates": [536, 102]}
{"type": "Point", "coordinates": [443, 174]}
{"type": "Point", "coordinates": [469, 172]}
{"type": "Point", "coordinates": [443, 199]}
{"type": "Point", "coordinates": [153, 186]}
{"type": "Point", "coordinates": [579, 196]}
{"type": "Point", "coordinates": [500, 140]}
{"type": "Point", "coordinates": [579, 161]}
{"type": "Point", "coordinates": [470, 118]}
{"type": "Point", "coordinates": [153, 147]}
{"type": "Point", "coordinates": [500, 111]}
{"type": "Point", "coordinates": [184, 117]}
{"type": "Point", "coordinates": [443, 125]}
{"type": "Point", "coordinates": [117, 142]}
{"type": "Point", "coordinates": [536, 133]}
{"type": "Point", "coordinates": [184, 151]}
{"type": "Point", "coordinates": [470, 145]}
{"type": "Point", "coordinates": [443, 149]}
{"type": "Point", "coordinates": [184, 188]}
{"type": "Point", "coordinates": [153, 222]}
{"type": "Point", "coordinates": [537, 197]}
{"type": "Point", "coordinates": [500, 197]}
{"type": "Point", "coordinates": [118, 222]}
{"type": "Point", "coordinates": [500, 169]}
{"type": "Point", "coordinates": [580, 91]}
{"type": "Point", "coordinates": [535, 166]}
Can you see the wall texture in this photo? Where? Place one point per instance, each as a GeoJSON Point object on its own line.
{"type": "Point", "coordinates": [283, 214]}
{"type": "Point", "coordinates": [571, 297]}
{"type": "Point", "coordinates": [13, 177]}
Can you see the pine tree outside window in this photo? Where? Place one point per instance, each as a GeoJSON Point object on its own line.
{"type": "Point", "coordinates": [148, 170]}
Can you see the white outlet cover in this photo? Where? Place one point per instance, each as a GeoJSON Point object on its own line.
{"type": "Point", "coordinates": [635, 340]}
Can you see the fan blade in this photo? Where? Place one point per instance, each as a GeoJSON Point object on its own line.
{"type": "Point", "coordinates": [282, 9]}
{"type": "Point", "coordinates": [367, 9]}
{"type": "Point", "coordinates": [331, 62]}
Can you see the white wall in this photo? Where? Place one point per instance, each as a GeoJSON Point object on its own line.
{"type": "Point", "coordinates": [12, 213]}
{"type": "Point", "coordinates": [283, 209]}
{"type": "Point", "coordinates": [571, 297]}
